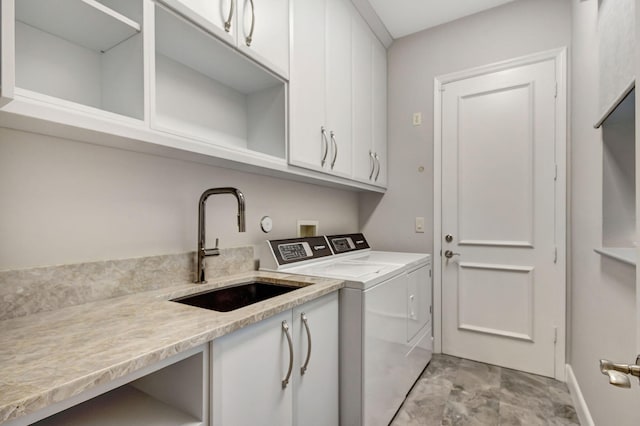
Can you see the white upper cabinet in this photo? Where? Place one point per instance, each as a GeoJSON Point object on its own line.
{"type": "Point", "coordinates": [338, 98]}
{"type": "Point", "coordinates": [259, 28]}
{"type": "Point", "coordinates": [320, 86]}
{"type": "Point", "coordinates": [369, 106]}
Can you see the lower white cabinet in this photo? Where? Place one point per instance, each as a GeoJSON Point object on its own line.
{"type": "Point", "coordinates": [258, 374]}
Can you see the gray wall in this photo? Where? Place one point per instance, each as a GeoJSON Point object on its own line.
{"type": "Point", "coordinates": [602, 293]}
{"type": "Point", "coordinates": [65, 202]}
{"type": "Point", "coordinates": [509, 31]}
{"type": "Point", "coordinates": [601, 300]}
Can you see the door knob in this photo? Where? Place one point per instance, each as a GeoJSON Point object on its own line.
{"type": "Point", "coordinates": [618, 373]}
{"type": "Point", "coordinates": [449, 254]}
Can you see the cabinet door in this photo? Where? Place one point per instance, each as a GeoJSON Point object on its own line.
{"type": "Point", "coordinates": [363, 159]}
{"type": "Point", "coordinates": [217, 16]}
{"type": "Point", "coordinates": [307, 85]}
{"type": "Point", "coordinates": [419, 301]}
{"type": "Point", "coordinates": [380, 112]}
{"type": "Point", "coordinates": [248, 367]}
{"type": "Point", "coordinates": [263, 32]}
{"type": "Point", "coordinates": [316, 391]}
{"type": "Point", "coordinates": [338, 69]}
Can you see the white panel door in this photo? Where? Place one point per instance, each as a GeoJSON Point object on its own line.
{"type": "Point", "coordinates": [307, 147]}
{"type": "Point", "coordinates": [380, 113]}
{"type": "Point", "coordinates": [338, 83]}
{"type": "Point", "coordinates": [217, 16]}
{"type": "Point", "coordinates": [503, 286]}
{"type": "Point", "coordinates": [248, 367]}
{"type": "Point", "coordinates": [316, 390]}
{"type": "Point", "coordinates": [263, 32]}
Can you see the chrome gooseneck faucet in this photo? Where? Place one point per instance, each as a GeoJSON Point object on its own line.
{"type": "Point", "coordinates": [202, 251]}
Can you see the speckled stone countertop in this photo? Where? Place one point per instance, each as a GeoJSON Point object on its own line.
{"type": "Point", "coordinates": [51, 356]}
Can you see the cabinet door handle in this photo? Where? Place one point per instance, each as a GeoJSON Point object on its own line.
{"type": "Point", "coordinates": [227, 24]}
{"type": "Point", "coordinates": [325, 146]}
{"type": "Point", "coordinates": [378, 163]}
{"type": "Point", "coordinates": [335, 149]}
{"type": "Point", "coordinates": [303, 369]}
{"type": "Point", "coordinates": [253, 22]}
{"type": "Point", "coordinates": [285, 328]}
{"type": "Point", "coordinates": [373, 165]}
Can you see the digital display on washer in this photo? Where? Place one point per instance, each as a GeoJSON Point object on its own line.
{"type": "Point", "coordinates": [294, 251]}
{"type": "Point", "coordinates": [340, 245]}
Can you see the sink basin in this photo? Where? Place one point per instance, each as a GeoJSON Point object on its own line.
{"type": "Point", "coordinates": [230, 298]}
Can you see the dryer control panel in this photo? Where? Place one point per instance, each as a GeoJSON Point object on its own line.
{"type": "Point", "coordinates": [347, 243]}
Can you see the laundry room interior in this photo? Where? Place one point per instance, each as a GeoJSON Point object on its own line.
{"type": "Point", "coordinates": [482, 159]}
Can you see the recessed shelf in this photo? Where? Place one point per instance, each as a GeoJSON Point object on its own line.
{"type": "Point", "coordinates": [122, 406]}
{"type": "Point", "coordinates": [86, 23]}
{"type": "Point", "coordinates": [626, 255]}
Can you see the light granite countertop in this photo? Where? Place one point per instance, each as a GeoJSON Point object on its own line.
{"type": "Point", "coordinates": [51, 356]}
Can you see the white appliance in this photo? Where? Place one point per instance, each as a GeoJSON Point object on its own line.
{"type": "Point", "coordinates": [385, 317]}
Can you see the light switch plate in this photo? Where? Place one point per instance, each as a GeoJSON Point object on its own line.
{"type": "Point", "coordinates": [420, 224]}
{"type": "Point", "coordinates": [417, 119]}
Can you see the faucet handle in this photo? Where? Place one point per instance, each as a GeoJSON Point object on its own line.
{"type": "Point", "coordinates": [618, 372]}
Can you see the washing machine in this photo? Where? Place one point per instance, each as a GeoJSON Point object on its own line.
{"type": "Point", "coordinates": [385, 317]}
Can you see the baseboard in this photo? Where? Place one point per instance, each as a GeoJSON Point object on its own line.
{"type": "Point", "coordinates": [578, 400]}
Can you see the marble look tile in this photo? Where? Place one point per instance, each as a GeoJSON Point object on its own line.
{"type": "Point", "coordinates": [454, 391]}
{"type": "Point", "coordinates": [29, 291]}
{"type": "Point", "coordinates": [477, 408]}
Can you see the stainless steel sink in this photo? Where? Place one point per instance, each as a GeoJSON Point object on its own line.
{"type": "Point", "coordinates": [238, 296]}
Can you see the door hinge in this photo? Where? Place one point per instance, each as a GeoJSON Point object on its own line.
{"type": "Point", "coordinates": [555, 176]}
{"type": "Point", "coordinates": [555, 334]}
{"type": "Point", "coordinates": [429, 273]}
{"type": "Point", "coordinates": [431, 309]}
{"type": "Point", "coordinates": [555, 94]}
{"type": "Point", "coordinates": [555, 255]}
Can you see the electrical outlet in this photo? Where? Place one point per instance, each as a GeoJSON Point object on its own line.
{"type": "Point", "coordinates": [420, 224]}
{"type": "Point", "coordinates": [417, 119]}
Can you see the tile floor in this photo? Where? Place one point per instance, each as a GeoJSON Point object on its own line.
{"type": "Point", "coordinates": [454, 391]}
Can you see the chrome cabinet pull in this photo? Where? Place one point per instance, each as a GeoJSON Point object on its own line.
{"type": "Point", "coordinates": [285, 328]}
{"type": "Point", "coordinates": [378, 163]}
{"type": "Point", "coordinates": [325, 146]}
{"type": "Point", "coordinates": [303, 369]}
{"type": "Point", "coordinates": [373, 165]}
{"type": "Point", "coordinates": [253, 22]}
{"type": "Point", "coordinates": [335, 149]}
{"type": "Point", "coordinates": [227, 24]}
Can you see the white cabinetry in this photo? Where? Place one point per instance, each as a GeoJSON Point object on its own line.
{"type": "Point", "coordinates": [218, 98]}
{"type": "Point", "coordinates": [369, 105]}
{"type": "Point", "coordinates": [320, 86]}
{"type": "Point", "coordinates": [259, 28]}
{"type": "Point", "coordinates": [172, 392]}
{"type": "Point", "coordinates": [258, 381]}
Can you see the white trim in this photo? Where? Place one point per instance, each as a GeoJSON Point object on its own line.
{"type": "Point", "coordinates": [582, 410]}
{"type": "Point", "coordinates": [560, 57]}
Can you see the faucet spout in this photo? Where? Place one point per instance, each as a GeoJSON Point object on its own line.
{"type": "Point", "coordinates": [203, 252]}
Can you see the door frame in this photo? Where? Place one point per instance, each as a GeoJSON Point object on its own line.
{"type": "Point", "coordinates": [560, 57]}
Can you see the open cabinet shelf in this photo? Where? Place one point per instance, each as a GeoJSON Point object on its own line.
{"type": "Point", "coordinates": [173, 395]}
{"type": "Point", "coordinates": [219, 97]}
{"type": "Point", "coordinates": [81, 52]}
